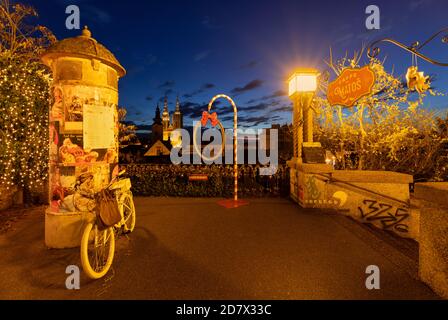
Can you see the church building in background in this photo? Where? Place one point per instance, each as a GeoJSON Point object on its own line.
{"type": "Point", "coordinates": [162, 136]}
{"type": "Point", "coordinates": [171, 123]}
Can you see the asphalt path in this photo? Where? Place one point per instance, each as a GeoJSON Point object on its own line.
{"type": "Point", "coordinates": [195, 249]}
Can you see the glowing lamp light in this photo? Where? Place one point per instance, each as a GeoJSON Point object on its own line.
{"type": "Point", "coordinates": [303, 80]}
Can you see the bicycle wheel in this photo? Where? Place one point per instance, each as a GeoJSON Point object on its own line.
{"type": "Point", "coordinates": [97, 251]}
{"type": "Point", "coordinates": [127, 207]}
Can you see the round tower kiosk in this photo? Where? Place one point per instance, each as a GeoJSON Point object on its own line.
{"type": "Point", "coordinates": [83, 132]}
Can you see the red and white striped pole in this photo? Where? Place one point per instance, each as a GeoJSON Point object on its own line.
{"type": "Point", "coordinates": [235, 139]}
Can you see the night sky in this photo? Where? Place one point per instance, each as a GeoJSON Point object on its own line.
{"type": "Point", "coordinates": [196, 49]}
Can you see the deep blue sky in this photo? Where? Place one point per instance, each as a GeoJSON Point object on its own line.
{"type": "Point", "coordinates": [245, 48]}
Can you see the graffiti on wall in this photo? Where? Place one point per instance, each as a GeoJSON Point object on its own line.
{"type": "Point", "coordinates": [390, 217]}
{"type": "Point", "coordinates": [315, 194]}
{"type": "Point", "coordinates": [312, 190]}
{"type": "Point", "coordinates": [340, 198]}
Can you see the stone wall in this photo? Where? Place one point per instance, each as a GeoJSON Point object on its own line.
{"type": "Point", "coordinates": [433, 261]}
{"type": "Point", "coordinates": [379, 198]}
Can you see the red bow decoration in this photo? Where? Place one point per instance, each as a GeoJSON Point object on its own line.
{"type": "Point", "coordinates": [213, 118]}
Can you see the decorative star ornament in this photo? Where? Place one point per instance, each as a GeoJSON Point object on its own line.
{"type": "Point", "coordinates": [417, 80]}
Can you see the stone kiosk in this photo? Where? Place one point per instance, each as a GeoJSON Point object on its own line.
{"type": "Point", "coordinates": [83, 132]}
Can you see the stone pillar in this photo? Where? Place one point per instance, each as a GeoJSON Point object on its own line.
{"type": "Point", "coordinates": [433, 240]}
{"type": "Point", "coordinates": [83, 132]}
{"type": "Point", "coordinates": [308, 116]}
{"type": "Point", "coordinates": [297, 130]}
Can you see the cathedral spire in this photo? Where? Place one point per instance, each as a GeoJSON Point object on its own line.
{"type": "Point", "coordinates": [177, 104]}
{"type": "Point", "coordinates": [158, 119]}
{"type": "Point", "coordinates": [165, 105]}
{"type": "Point", "coordinates": [178, 122]}
{"type": "Point", "coordinates": [166, 115]}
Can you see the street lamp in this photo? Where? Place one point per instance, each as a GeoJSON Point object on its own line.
{"type": "Point", "coordinates": [302, 87]}
{"type": "Point", "coordinates": [303, 80]}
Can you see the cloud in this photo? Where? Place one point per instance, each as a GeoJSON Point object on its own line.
{"type": "Point", "coordinates": [226, 118]}
{"type": "Point", "coordinates": [208, 23]}
{"type": "Point", "coordinates": [202, 55]}
{"type": "Point", "coordinates": [144, 61]}
{"type": "Point", "coordinates": [128, 123]}
{"type": "Point", "coordinates": [414, 5]}
{"type": "Point", "coordinates": [254, 120]}
{"type": "Point", "coordinates": [208, 86]}
{"type": "Point", "coordinates": [369, 35]}
{"type": "Point", "coordinates": [135, 69]}
{"type": "Point", "coordinates": [169, 92]}
{"type": "Point", "coordinates": [188, 96]}
{"type": "Point", "coordinates": [254, 84]}
{"type": "Point", "coordinates": [151, 59]}
{"type": "Point", "coordinates": [88, 12]}
{"type": "Point", "coordinates": [249, 65]}
{"type": "Point", "coordinates": [284, 108]}
{"type": "Point", "coordinates": [256, 107]}
{"type": "Point", "coordinates": [192, 109]}
{"type": "Point", "coordinates": [276, 94]}
{"type": "Point", "coordinates": [203, 88]}
{"type": "Point", "coordinates": [95, 14]}
{"type": "Point", "coordinates": [262, 106]}
{"type": "Point", "coordinates": [345, 39]}
{"type": "Point", "coordinates": [167, 84]}
{"type": "Point", "coordinates": [253, 115]}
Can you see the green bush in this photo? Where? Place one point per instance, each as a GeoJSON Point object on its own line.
{"type": "Point", "coordinates": [173, 181]}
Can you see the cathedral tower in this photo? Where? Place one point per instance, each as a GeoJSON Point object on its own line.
{"type": "Point", "coordinates": [165, 115]}
{"type": "Point", "coordinates": [157, 127]}
{"type": "Point", "coordinates": [177, 117]}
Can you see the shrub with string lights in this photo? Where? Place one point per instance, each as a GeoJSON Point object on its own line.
{"type": "Point", "coordinates": [24, 97]}
{"type": "Point", "coordinates": [24, 104]}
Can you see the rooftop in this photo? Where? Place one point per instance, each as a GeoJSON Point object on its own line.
{"type": "Point", "coordinates": [84, 46]}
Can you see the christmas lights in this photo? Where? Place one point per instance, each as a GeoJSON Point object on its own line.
{"type": "Point", "coordinates": [24, 105]}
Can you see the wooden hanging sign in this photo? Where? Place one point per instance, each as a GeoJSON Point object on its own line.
{"type": "Point", "coordinates": [351, 85]}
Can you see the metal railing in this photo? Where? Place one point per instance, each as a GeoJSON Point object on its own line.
{"type": "Point", "coordinates": [330, 179]}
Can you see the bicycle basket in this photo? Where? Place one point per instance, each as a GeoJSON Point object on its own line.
{"type": "Point", "coordinates": [107, 210]}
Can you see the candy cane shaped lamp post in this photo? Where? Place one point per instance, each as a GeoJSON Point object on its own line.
{"type": "Point", "coordinates": [235, 202]}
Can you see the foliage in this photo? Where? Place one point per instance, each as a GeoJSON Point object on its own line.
{"type": "Point", "coordinates": [173, 181]}
{"type": "Point", "coordinates": [127, 132]}
{"type": "Point", "coordinates": [441, 165]}
{"type": "Point", "coordinates": [18, 38]}
{"type": "Point", "coordinates": [24, 102]}
{"type": "Point", "coordinates": [24, 98]}
{"type": "Point", "coordinates": [388, 130]}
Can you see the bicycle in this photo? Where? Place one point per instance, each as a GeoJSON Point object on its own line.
{"type": "Point", "coordinates": [98, 246]}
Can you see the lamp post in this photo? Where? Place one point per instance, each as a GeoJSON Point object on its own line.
{"type": "Point", "coordinates": [235, 140]}
{"type": "Point", "coordinates": [302, 87]}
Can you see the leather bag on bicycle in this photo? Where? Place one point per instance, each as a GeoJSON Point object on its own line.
{"type": "Point", "coordinates": [106, 210]}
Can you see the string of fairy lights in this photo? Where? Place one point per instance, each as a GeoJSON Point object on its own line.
{"type": "Point", "coordinates": [24, 104]}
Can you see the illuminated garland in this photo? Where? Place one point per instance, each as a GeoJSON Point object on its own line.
{"type": "Point", "coordinates": [24, 104]}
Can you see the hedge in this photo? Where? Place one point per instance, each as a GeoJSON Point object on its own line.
{"type": "Point", "coordinates": [173, 181]}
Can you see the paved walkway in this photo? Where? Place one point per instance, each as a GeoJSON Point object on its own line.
{"type": "Point", "coordinates": [194, 249]}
